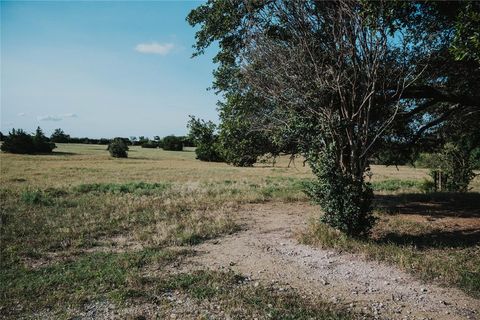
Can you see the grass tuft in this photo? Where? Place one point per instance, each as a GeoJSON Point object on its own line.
{"type": "Point", "coordinates": [140, 188]}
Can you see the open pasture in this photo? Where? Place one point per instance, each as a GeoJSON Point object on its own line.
{"type": "Point", "coordinates": [81, 231]}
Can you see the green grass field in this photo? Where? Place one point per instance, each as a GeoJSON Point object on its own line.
{"type": "Point", "coordinates": [78, 227]}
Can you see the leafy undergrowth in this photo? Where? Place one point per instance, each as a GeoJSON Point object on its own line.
{"type": "Point", "coordinates": [412, 246]}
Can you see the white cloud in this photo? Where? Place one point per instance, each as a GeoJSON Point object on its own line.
{"type": "Point", "coordinates": [21, 114]}
{"type": "Point", "coordinates": [59, 117]}
{"type": "Point", "coordinates": [155, 48]}
{"type": "Point", "coordinates": [49, 118]}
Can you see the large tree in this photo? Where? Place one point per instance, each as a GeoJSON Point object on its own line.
{"type": "Point", "coordinates": [348, 77]}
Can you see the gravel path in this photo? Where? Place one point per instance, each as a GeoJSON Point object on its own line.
{"type": "Point", "coordinates": [267, 252]}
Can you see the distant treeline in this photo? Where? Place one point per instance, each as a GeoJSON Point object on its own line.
{"type": "Point", "coordinates": [171, 142]}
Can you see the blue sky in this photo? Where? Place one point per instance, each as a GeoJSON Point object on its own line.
{"type": "Point", "coordinates": [102, 69]}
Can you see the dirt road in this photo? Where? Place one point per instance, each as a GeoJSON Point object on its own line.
{"type": "Point", "coordinates": [267, 252]}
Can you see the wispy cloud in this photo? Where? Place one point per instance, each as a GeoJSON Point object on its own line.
{"type": "Point", "coordinates": [59, 117]}
{"type": "Point", "coordinates": [49, 118]}
{"type": "Point", "coordinates": [155, 48]}
{"type": "Point", "coordinates": [21, 114]}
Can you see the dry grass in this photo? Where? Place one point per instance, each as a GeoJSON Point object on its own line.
{"type": "Point", "coordinates": [61, 213]}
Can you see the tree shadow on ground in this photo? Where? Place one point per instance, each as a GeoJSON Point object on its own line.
{"type": "Point", "coordinates": [62, 153]}
{"type": "Point", "coordinates": [436, 205]}
{"type": "Point", "coordinates": [436, 239]}
{"type": "Point", "coordinates": [433, 206]}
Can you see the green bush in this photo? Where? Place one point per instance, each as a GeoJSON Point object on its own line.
{"type": "Point", "coordinates": [18, 141]}
{"type": "Point", "coordinates": [150, 144]}
{"type": "Point", "coordinates": [172, 143]}
{"type": "Point", "coordinates": [60, 136]}
{"type": "Point", "coordinates": [346, 202]}
{"type": "Point", "coordinates": [475, 158]}
{"type": "Point", "coordinates": [34, 197]}
{"type": "Point", "coordinates": [41, 143]}
{"type": "Point", "coordinates": [427, 160]}
{"type": "Point", "coordinates": [202, 134]}
{"type": "Point", "coordinates": [118, 148]}
{"type": "Point", "coordinates": [457, 166]}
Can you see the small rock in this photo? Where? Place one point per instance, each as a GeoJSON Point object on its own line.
{"type": "Point", "coordinates": [423, 290]}
{"type": "Point", "coordinates": [256, 284]}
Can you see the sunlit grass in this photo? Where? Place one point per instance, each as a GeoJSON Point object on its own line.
{"type": "Point", "coordinates": [80, 219]}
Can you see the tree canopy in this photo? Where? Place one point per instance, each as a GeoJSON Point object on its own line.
{"type": "Point", "coordinates": [351, 78]}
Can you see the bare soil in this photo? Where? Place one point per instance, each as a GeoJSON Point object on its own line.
{"type": "Point", "coordinates": [267, 251]}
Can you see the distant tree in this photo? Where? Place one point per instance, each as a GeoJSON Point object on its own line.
{"type": "Point", "coordinates": [103, 141]}
{"type": "Point", "coordinates": [18, 141]}
{"type": "Point", "coordinates": [188, 142]}
{"type": "Point", "coordinates": [150, 144]}
{"type": "Point", "coordinates": [59, 136]}
{"type": "Point", "coordinates": [1, 136]}
{"type": "Point", "coordinates": [242, 141]}
{"type": "Point", "coordinates": [173, 143]}
{"type": "Point", "coordinates": [42, 143]}
{"type": "Point", "coordinates": [142, 140]}
{"type": "Point", "coordinates": [118, 148]}
{"type": "Point", "coordinates": [203, 135]}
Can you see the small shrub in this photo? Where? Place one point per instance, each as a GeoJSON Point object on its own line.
{"type": "Point", "coordinates": [118, 148]}
{"type": "Point", "coordinates": [346, 202]}
{"type": "Point", "coordinates": [34, 197]}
